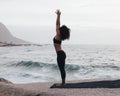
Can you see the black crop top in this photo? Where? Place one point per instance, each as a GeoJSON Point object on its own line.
{"type": "Point", "coordinates": [57, 41]}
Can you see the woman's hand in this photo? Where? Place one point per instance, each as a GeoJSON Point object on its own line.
{"type": "Point", "coordinates": [58, 12]}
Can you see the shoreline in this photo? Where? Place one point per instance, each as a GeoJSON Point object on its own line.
{"type": "Point", "coordinates": [45, 90]}
{"type": "Point", "coordinates": [11, 44]}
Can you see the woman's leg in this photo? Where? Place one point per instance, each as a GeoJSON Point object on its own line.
{"type": "Point", "coordinates": [61, 63]}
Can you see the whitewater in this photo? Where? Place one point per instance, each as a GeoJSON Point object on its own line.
{"type": "Point", "coordinates": [24, 64]}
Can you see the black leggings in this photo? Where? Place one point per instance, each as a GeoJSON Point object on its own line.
{"type": "Point", "coordinates": [61, 56]}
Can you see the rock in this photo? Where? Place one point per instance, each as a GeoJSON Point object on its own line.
{"type": "Point", "coordinates": [5, 81]}
{"type": "Point", "coordinates": [7, 88]}
{"type": "Point", "coordinates": [11, 90]}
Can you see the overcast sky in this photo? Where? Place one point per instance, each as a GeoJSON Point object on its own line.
{"type": "Point", "coordinates": [91, 21]}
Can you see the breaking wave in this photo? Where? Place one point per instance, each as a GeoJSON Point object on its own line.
{"type": "Point", "coordinates": [68, 67]}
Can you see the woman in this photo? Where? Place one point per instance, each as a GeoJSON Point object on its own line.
{"type": "Point", "coordinates": [62, 33]}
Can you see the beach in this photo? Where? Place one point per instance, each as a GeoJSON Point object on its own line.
{"type": "Point", "coordinates": [95, 71]}
{"type": "Point", "coordinates": [85, 51]}
{"type": "Point", "coordinates": [43, 89]}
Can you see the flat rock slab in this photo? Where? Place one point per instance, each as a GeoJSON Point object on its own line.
{"type": "Point", "coordinates": [94, 84]}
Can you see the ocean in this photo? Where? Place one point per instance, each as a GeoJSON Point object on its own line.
{"type": "Point", "coordinates": [25, 64]}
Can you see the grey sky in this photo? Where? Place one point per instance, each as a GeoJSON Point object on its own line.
{"type": "Point", "coordinates": [91, 21]}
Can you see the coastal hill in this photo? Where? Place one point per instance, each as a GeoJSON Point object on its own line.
{"type": "Point", "coordinates": [6, 38]}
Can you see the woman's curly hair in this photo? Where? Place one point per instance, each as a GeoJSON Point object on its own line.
{"type": "Point", "coordinates": [64, 32]}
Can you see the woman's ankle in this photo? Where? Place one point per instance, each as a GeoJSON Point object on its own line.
{"type": "Point", "coordinates": [63, 81]}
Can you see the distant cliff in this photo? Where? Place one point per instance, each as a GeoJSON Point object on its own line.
{"type": "Point", "coordinates": [6, 38]}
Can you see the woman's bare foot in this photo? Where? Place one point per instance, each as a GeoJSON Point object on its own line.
{"type": "Point", "coordinates": [59, 84]}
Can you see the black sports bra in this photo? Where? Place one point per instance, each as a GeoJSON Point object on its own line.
{"type": "Point", "coordinates": [57, 41]}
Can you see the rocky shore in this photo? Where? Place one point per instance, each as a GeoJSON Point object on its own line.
{"type": "Point", "coordinates": [7, 88]}
{"type": "Point", "coordinates": [72, 88]}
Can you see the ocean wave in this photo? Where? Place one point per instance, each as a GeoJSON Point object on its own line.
{"type": "Point", "coordinates": [30, 70]}
{"type": "Point", "coordinates": [68, 67]}
{"type": "Point", "coordinates": [40, 65]}
{"type": "Point", "coordinates": [31, 64]}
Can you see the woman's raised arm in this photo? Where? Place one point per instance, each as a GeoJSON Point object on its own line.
{"type": "Point", "coordinates": [58, 22]}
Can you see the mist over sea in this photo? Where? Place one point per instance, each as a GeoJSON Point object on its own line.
{"type": "Point", "coordinates": [24, 64]}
